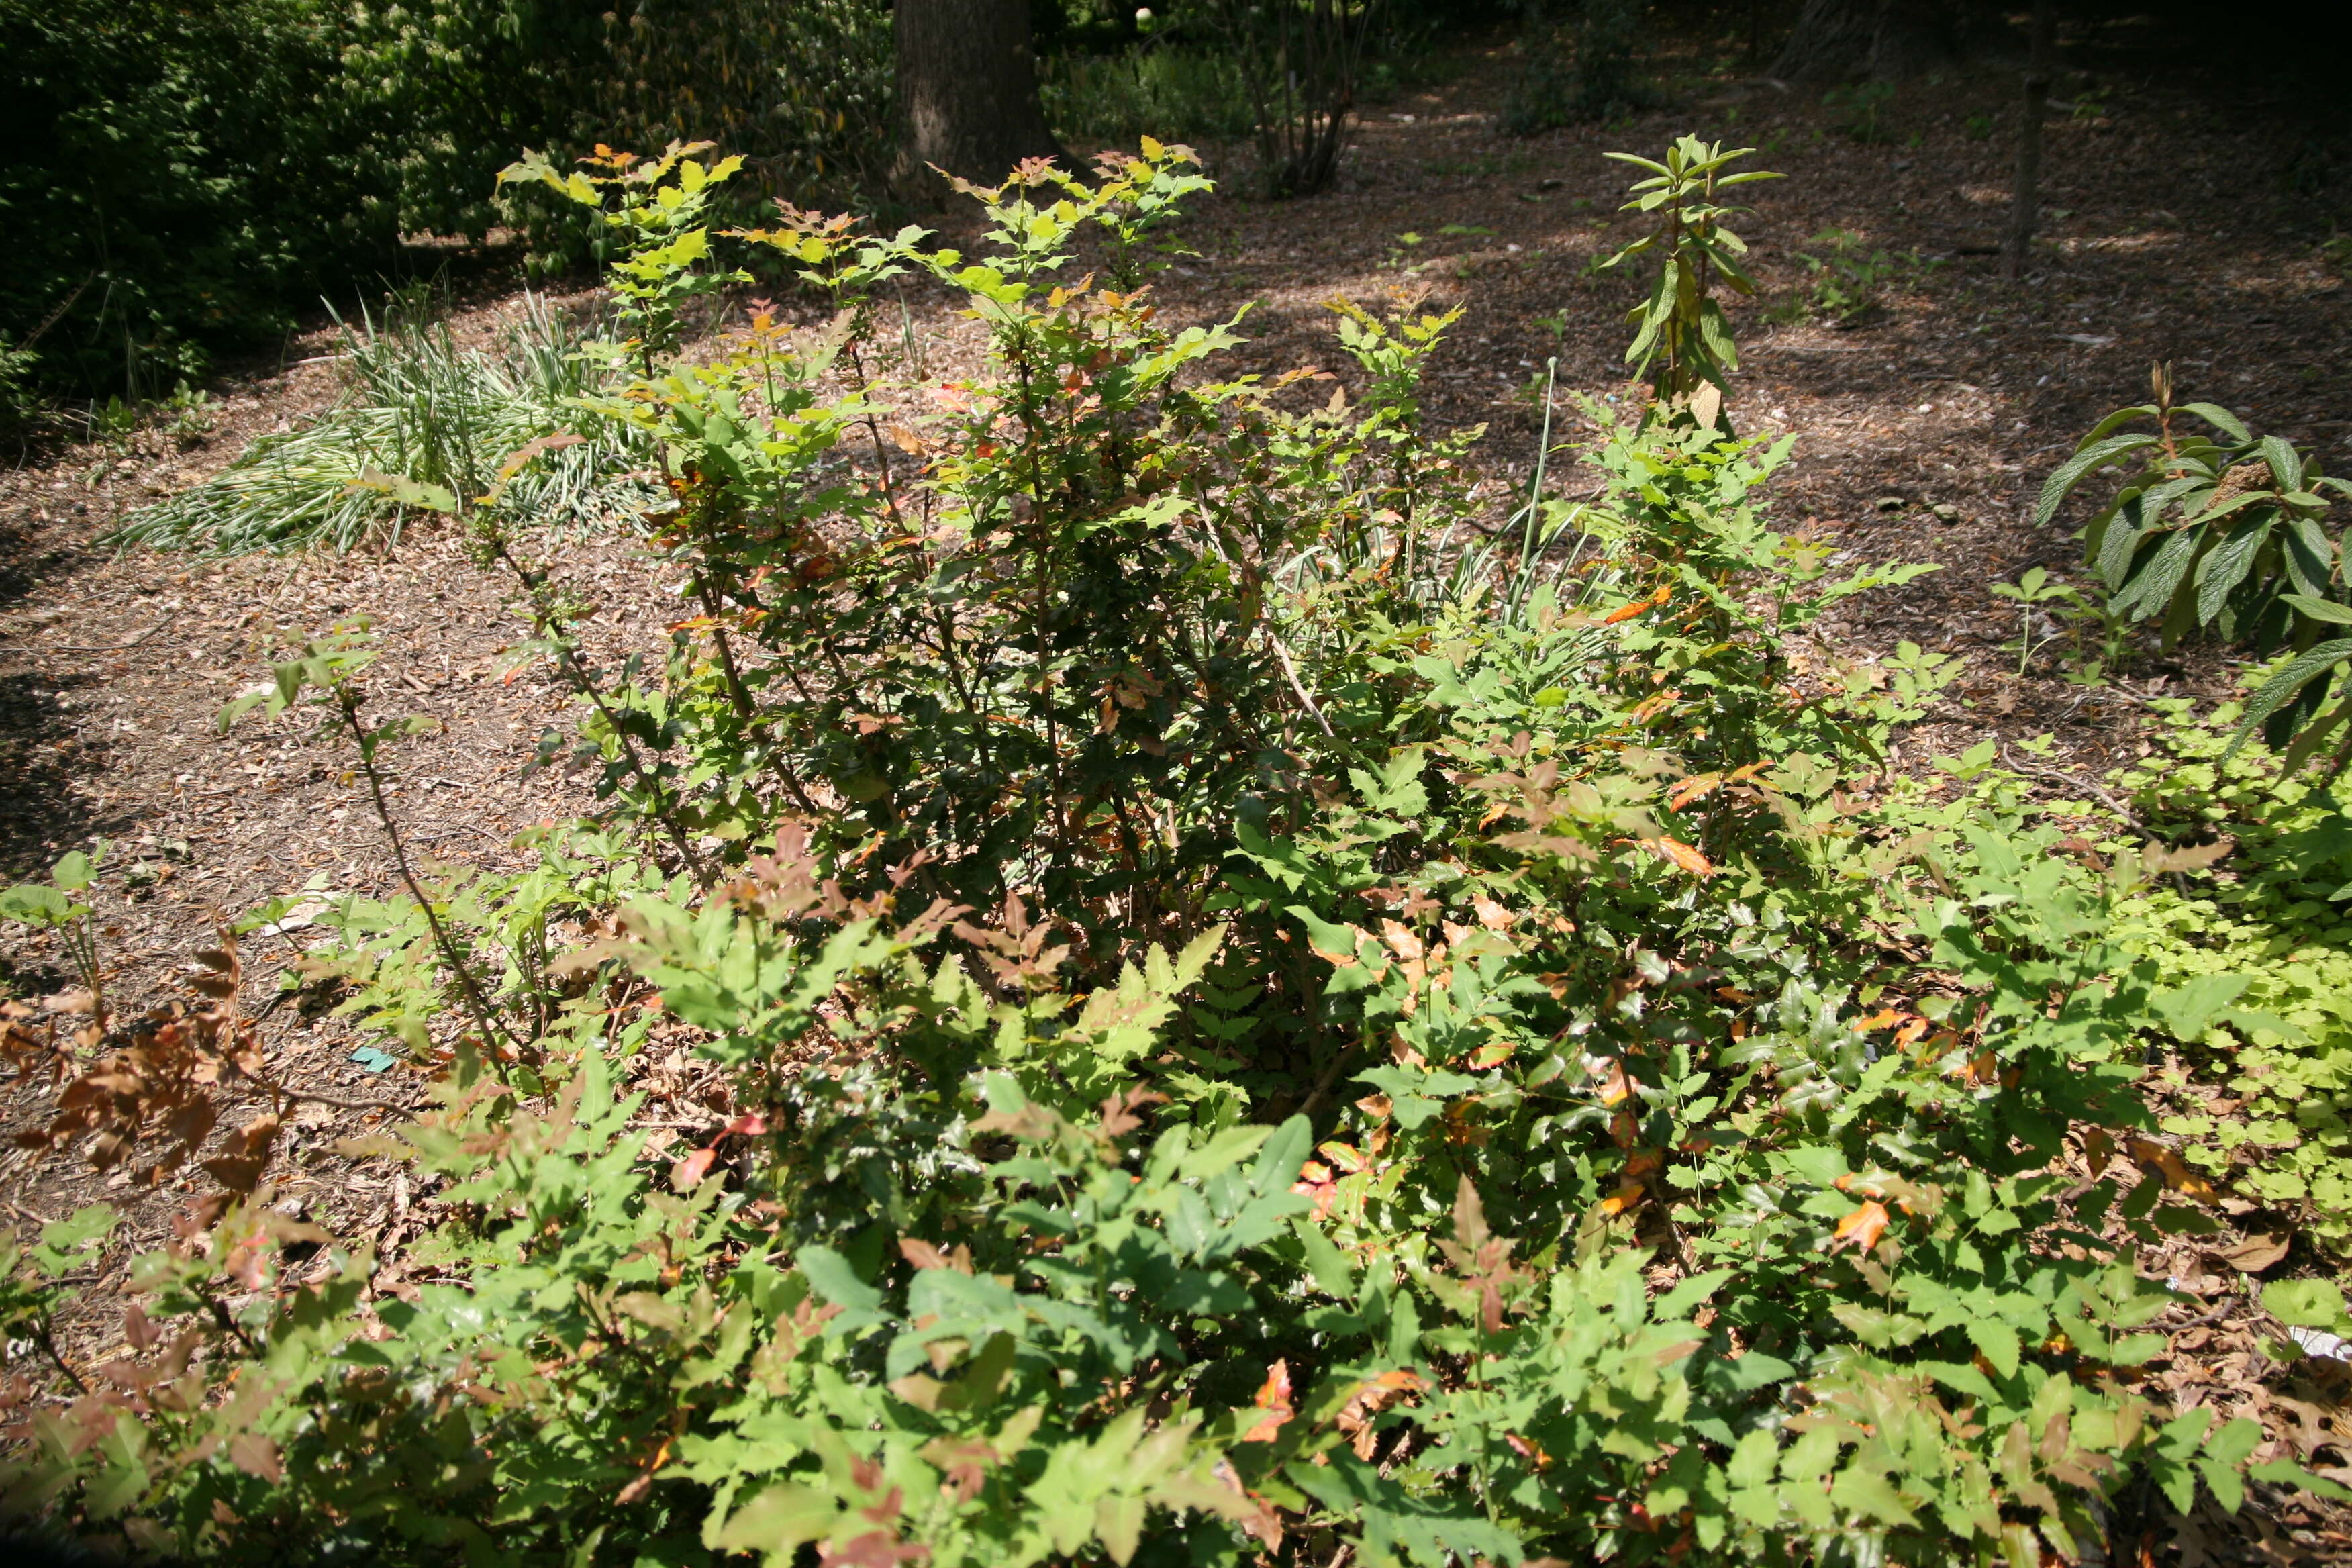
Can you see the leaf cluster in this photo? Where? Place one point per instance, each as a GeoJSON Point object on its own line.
{"type": "Point", "coordinates": [1244, 1009]}
{"type": "Point", "coordinates": [2226, 536]}
{"type": "Point", "coordinates": [1681, 340]}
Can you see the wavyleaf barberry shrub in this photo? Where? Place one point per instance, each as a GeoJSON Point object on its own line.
{"type": "Point", "coordinates": [1255, 1018]}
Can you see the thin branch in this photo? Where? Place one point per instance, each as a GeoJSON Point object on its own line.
{"type": "Point", "coordinates": [1298, 686]}
{"type": "Point", "coordinates": [49, 1348]}
{"type": "Point", "coordinates": [543, 610]}
{"type": "Point", "coordinates": [2085, 785]}
{"type": "Point", "coordinates": [475, 1003]}
{"type": "Point", "coordinates": [78, 648]}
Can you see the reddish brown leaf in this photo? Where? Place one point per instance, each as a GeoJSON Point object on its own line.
{"type": "Point", "coordinates": [2168, 1166]}
{"type": "Point", "coordinates": [1316, 1182]}
{"type": "Point", "coordinates": [1683, 855]}
{"type": "Point", "coordinates": [1638, 608]}
{"type": "Point", "coordinates": [1273, 1398]}
{"type": "Point", "coordinates": [256, 1456]}
{"type": "Point", "coordinates": [963, 1465]}
{"type": "Point", "coordinates": [2258, 1251]}
{"type": "Point", "coordinates": [1627, 1195]}
{"type": "Point", "coordinates": [923, 1255]}
{"type": "Point", "coordinates": [1470, 1232]}
{"type": "Point", "coordinates": [1118, 1110]}
{"type": "Point", "coordinates": [1356, 1418]}
{"type": "Point", "coordinates": [1695, 788]}
{"type": "Point", "coordinates": [1863, 1227]}
{"type": "Point", "coordinates": [686, 1175]}
{"type": "Point", "coordinates": [874, 1549]}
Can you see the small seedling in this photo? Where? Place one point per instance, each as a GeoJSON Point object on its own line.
{"type": "Point", "coordinates": [2034, 592]}
{"type": "Point", "coordinates": [56, 906]}
{"type": "Point", "coordinates": [325, 673]}
{"type": "Point", "coordinates": [1860, 110]}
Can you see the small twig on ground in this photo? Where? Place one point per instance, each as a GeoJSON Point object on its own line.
{"type": "Point", "coordinates": [79, 648]}
{"type": "Point", "coordinates": [2085, 785]}
{"type": "Point", "coordinates": [300, 1094]}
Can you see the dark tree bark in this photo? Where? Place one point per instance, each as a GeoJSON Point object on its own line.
{"type": "Point", "coordinates": [2025, 201]}
{"type": "Point", "coordinates": [1842, 40]}
{"type": "Point", "coordinates": [966, 92]}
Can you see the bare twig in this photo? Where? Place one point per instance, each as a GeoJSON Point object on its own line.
{"type": "Point", "coordinates": [2085, 785]}
{"type": "Point", "coordinates": [493, 1032]}
{"type": "Point", "coordinates": [1283, 654]}
{"type": "Point", "coordinates": [42, 1336]}
{"type": "Point", "coordinates": [298, 1094]}
{"type": "Point", "coordinates": [78, 648]}
{"type": "Point", "coordinates": [552, 625]}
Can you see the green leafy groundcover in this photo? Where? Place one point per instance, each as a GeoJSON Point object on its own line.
{"type": "Point", "coordinates": [1258, 1019]}
{"type": "Point", "coordinates": [2271, 940]}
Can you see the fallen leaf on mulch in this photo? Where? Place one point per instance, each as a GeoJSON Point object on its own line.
{"type": "Point", "coordinates": [2257, 1252]}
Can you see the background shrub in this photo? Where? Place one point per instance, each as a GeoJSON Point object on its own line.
{"type": "Point", "coordinates": [1153, 90]}
{"type": "Point", "coordinates": [801, 89]}
{"type": "Point", "coordinates": [202, 171]}
{"type": "Point", "coordinates": [190, 169]}
{"type": "Point", "coordinates": [1289, 76]}
{"type": "Point", "coordinates": [1578, 64]}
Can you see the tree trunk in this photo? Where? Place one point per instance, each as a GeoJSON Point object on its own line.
{"type": "Point", "coordinates": [1842, 40]}
{"type": "Point", "coordinates": [966, 92]}
{"type": "Point", "coordinates": [2025, 201]}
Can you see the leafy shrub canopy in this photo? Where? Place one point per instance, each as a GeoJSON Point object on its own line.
{"type": "Point", "coordinates": [200, 172]}
{"type": "Point", "coordinates": [1246, 1023]}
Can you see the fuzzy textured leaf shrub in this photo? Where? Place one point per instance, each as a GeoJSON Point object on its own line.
{"type": "Point", "coordinates": [2227, 537]}
{"type": "Point", "coordinates": [1246, 1010]}
{"type": "Point", "coordinates": [1041, 610]}
{"type": "Point", "coordinates": [1682, 342]}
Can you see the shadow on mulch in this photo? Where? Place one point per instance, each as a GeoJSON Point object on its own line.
{"type": "Point", "coordinates": [42, 753]}
{"type": "Point", "coordinates": [41, 758]}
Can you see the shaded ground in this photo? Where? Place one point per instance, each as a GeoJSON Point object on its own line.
{"type": "Point", "coordinates": [2175, 233]}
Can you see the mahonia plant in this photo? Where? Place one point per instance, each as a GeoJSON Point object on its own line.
{"type": "Point", "coordinates": [1247, 1018]}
